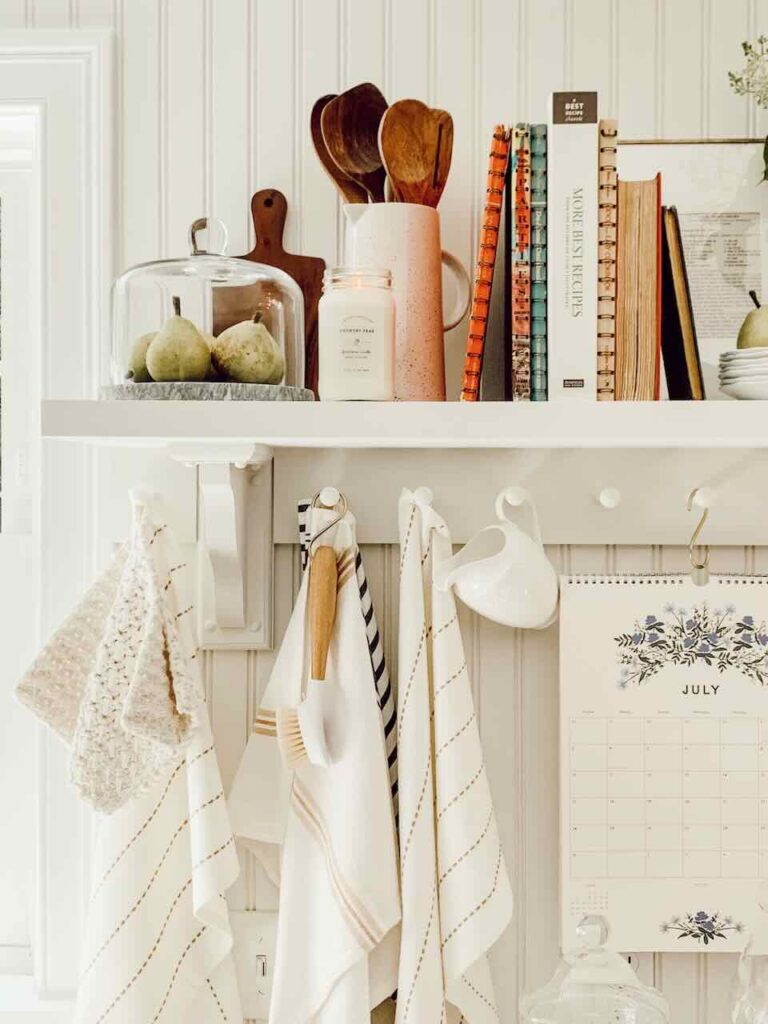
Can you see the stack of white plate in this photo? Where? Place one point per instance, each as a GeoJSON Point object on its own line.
{"type": "Point", "coordinates": [744, 373]}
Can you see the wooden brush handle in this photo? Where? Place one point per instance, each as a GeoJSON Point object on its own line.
{"type": "Point", "coordinates": [322, 606]}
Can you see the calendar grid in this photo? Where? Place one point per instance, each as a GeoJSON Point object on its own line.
{"type": "Point", "coordinates": [668, 797]}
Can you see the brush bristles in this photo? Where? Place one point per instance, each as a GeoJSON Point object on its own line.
{"type": "Point", "coordinates": [289, 738]}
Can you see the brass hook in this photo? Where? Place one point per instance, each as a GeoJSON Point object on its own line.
{"type": "Point", "coordinates": [696, 565]}
{"type": "Point", "coordinates": [316, 503]}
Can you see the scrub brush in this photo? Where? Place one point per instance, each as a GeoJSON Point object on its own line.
{"type": "Point", "coordinates": [301, 730]}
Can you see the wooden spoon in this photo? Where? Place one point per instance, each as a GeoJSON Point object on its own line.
{"type": "Point", "coordinates": [350, 190]}
{"type": "Point", "coordinates": [416, 144]}
{"type": "Point", "coordinates": [350, 127]}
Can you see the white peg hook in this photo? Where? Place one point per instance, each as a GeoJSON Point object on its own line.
{"type": "Point", "coordinates": [702, 498]}
{"type": "Point", "coordinates": [329, 496]}
{"type": "Point", "coordinates": [514, 496]}
{"type": "Point", "coordinates": [609, 497]}
{"type": "Point", "coordinates": [423, 496]}
{"type": "Point", "coordinates": [517, 497]}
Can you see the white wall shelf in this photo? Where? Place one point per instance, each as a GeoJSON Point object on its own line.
{"type": "Point", "coordinates": [414, 425]}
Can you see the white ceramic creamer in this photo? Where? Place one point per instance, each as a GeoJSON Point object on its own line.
{"type": "Point", "coordinates": [405, 238]}
{"type": "Point", "coordinates": [503, 573]}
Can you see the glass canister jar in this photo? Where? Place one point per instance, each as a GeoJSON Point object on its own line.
{"type": "Point", "coordinates": [356, 335]}
{"type": "Point", "coordinates": [206, 326]}
{"type": "Point", "coordinates": [594, 986]}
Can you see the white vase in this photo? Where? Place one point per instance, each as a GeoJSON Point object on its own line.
{"type": "Point", "coordinates": [405, 239]}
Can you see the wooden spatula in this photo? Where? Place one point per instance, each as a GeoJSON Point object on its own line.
{"type": "Point", "coordinates": [350, 127]}
{"type": "Point", "coordinates": [416, 144]}
{"type": "Point", "coordinates": [350, 190]}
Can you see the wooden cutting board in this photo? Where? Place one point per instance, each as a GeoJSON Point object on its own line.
{"type": "Point", "coordinates": [269, 209]}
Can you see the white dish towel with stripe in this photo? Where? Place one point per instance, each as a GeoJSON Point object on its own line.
{"type": "Point", "coordinates": [326, 836]}
{"type": "Point", "coordinates": [157, 939]}
{"type": "Point", "coordinates": [457, 898]}
{"type": "Point", "coordinates": [381, 679]}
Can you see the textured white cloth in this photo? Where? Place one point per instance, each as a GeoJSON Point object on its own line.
{"type": "Point", "coordinates": [326, 836]}
{"type": "Point", "coordinates": [157, 940]}
{"type": "Point", "coordinates": [114, 682]}
{"type": "Point", "coordinates": [456, 893]}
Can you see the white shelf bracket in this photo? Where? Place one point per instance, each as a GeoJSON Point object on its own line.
{"type": "Point", "coordinates": [235, 567]}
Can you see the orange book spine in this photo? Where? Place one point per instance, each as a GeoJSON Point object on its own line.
{"type": "Point", "coordinates": [485, 265]}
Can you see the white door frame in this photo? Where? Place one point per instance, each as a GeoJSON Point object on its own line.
{"type": "Point", "coordinates": [66, 78]}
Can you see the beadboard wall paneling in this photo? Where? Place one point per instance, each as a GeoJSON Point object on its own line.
{"type": "Point", "coordinates": [591, 57]}
{"type": "Point", "coordinates": [682, 97]}
{"type": "Point", "coordinates": [213, 103]}
{"type": "Point", "coordinates": [319, 231]}
{"type": "Point", "coordinates": [638, 68]}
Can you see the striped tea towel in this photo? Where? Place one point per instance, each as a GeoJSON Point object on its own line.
{"type": "Point", "coordinates": [456, 893]}
{"type": "Point", "coordinates": [326, 835]}
{"type": "Point", "coordinates": [157, 939]}
{"type": "Point", "coordinates": [158, 942]}
{"type": "Point", "coordinates": [375, 646]}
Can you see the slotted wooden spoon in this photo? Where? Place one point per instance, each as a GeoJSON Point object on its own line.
{"type": "Point", "coordinates": [416, 145]}
{"type": "Point", "coordinates": [350, 128]}
{"type": "Point", "coordinates": [350, 190]}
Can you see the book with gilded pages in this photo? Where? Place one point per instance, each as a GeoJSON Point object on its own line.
{"type": "Point", "coordinates": [638, 292]}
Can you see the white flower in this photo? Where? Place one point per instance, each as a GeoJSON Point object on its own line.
{"type": "Point", "coordinates": [753, 78]}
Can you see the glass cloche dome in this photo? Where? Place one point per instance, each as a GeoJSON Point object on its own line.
{"type": "Point", "coordinates": [594, 986]}
{"type": "Point", "coordinates": [207, 325]}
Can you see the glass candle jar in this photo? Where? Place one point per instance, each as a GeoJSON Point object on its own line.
{"type": "Point", "coordinates": [356, 336]}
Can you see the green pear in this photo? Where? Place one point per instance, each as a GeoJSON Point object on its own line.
{"type": "Point", "coordinates": [210, 341]}
{"type": "Point", "coordinates": [137, 364]}
{"type": "Point", "coordinates": [247, 353]}
{"type": "Point", "coordinates": [178, 350]}
{"type": "Point", "coordinates": [754, 330]}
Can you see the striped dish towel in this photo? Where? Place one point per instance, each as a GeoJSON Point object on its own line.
{"type": "Point", "coordinates": [375, 646]}
{"type": "Point", "coordinates": [326, 835]}
{"type": "Point", "coordinates": [157, 943]}
{"type": "Point", "coordinates": [456, 894]}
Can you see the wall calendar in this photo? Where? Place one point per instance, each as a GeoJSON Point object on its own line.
{"type": "Point", "coordinates": [664, 760]}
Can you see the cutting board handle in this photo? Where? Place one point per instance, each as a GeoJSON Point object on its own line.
{"type": "Point", "coordinates": [269, 209]}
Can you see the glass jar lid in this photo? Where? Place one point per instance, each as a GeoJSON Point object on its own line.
{"type": "Point", "coordinates": [594, 985]}
{"type": "Point", "coordinates": [209, 263]}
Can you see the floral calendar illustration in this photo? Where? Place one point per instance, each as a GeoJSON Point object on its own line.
{"type": "Point", "coordinates": [664, 760]}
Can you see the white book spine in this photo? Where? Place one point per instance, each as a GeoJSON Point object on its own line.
{"type": "Point", "coordinates": [572, 246]}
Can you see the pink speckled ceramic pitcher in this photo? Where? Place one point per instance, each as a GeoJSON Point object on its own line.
{"type": "Point", "coordinates": [405, 237]}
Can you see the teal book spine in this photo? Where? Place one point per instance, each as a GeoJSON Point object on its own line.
{"type": "Point", "coordinates": [538, 143]}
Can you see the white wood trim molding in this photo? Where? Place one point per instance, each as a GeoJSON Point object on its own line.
{"type": "Point", "coordinates": [66, 77]}
{"type": "Point", "coordinates": [92, 51]}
